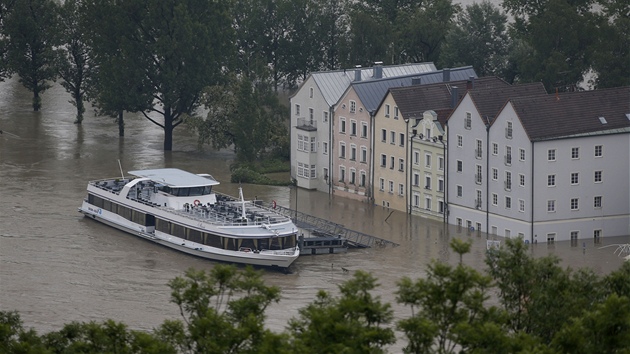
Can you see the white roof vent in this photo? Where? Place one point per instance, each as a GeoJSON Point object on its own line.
{"type": "Point", "coordinates": [603, 120]}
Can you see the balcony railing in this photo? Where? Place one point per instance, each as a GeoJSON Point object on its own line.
{"type": "Point", "coordinates": [306, 124]}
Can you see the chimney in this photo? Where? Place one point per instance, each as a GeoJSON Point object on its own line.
{"type": "Point", "coordinates": [454, 96]}
{"type": "Point", "coordinates": [378, 70]}
{"type": "Point", "coordinates": [357, 73]}
{"type": "Point", "coordinates": [416, 81]}
{"type": "Point", "coordinates": [446, 75]}
{"type": "Point", "coordinates": [471, 83]}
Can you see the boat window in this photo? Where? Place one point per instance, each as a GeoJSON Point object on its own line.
{"type": "Point", "coordinates": [195, 191]}
{"type": "Point", "coordinates": [207, 190]}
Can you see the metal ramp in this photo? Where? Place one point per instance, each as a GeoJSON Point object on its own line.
{"type": "Point", "coordinates": [328, 228]}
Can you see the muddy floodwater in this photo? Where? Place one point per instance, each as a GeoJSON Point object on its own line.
{"type": "Point", "coordinates": [57, 266]}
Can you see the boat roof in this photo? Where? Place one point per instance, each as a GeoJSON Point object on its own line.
{"type": "Point", "coordinates": [174, 177]}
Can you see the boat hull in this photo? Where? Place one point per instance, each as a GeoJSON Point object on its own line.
{"type": "Point", "coordinates": [264, 258]}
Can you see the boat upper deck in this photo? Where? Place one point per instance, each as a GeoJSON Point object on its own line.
{"type": "Point", "coordinates": [227, 211]}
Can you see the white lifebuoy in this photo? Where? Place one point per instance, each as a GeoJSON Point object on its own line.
{"type": "Point", "coordinates": [197, 202]}
{"type": "Point", "coordinates": [274, 204]}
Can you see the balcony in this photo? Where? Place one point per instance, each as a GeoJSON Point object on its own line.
{"type": "Point", "coordinates": [306, 124]}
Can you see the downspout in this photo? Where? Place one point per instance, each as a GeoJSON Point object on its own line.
{"type": "Point", "coordinates": [370, 190]}
{"type": "Point", "coordinates": [407, 199]}
{"type": "Point", "coordinates": [531, 236]}
{"type": "Point", "coordinates": [487, 177]}
{"type": "Point", "coordinates": [409, 164]}
{"type": "Point", "coordinates": [331, 113]}
{"type": "Point", "coordinates": [446, 157]}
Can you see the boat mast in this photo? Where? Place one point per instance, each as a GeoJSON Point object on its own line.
{"type": "Point", "coordinates": [121, 172]}
{"type": "Point", "coordinates": [240, 194]}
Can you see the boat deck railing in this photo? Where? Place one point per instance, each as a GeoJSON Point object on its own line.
{"type": "Point", "coordinates": [226, 212]}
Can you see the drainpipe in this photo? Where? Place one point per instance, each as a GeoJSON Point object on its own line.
{"type": "Point", "coordinates": [531, 236]}
{"type": "Point", "coordinates": [441, 138]}
{"type": "Point", "coordinates": [331, 111]}
{"type": "Point", "coordinates": [370, 190]}
{"type": "Point", "coordinates": [487, 177]}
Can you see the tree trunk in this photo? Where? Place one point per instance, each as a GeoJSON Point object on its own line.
{"type": "Point", "coordinates": [121, 124]}
{"type": "Point", "coordinates": [168, 129]}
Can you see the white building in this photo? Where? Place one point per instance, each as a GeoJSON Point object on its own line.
{"type": "Point", "coordinates": [557, 167]}
{"type": "Point", "coordinates": [312, 114]}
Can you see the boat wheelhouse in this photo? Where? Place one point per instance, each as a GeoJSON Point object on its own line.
{"type": "Point", "coordinates": [180, 210]}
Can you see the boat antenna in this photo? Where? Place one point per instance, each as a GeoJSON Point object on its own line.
{"type": "Point", "coordinates": [121, 172]}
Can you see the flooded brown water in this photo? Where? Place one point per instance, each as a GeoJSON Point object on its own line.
{"type": "Point", "coordinates": [57, 267]}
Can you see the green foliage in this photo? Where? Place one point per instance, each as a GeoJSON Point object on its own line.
{"type": "Point", "coordinates": [244, 115]}
{"type": "Point", "coordinates": [247, 175]}
{"type": "Point", "coordinates": [354, 322]}
{"type": "Point", "coordinates": [479, 38]}
{"type": "Point", "coordinates": [223, 311]}
{"type": "Point", "coordinates": [32, 29]}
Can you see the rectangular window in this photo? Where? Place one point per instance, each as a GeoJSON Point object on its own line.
{"type": "Point", "coordinates": [393, 138]}
{"type": "Point", "coordinates": [353, 127]}
{"type": "Point", "coordinates": [575, 153]}
{"type": "Point", "coordinates": [310, 92]}
{"type": "Point", "coordinates": [381, 184]}
{"type": "Point", "coordinates": [364, 130]}
{"type": "Point", "coordinates": [353, 176]}
{"type": "Point", "coordinates": [325, 116]}
{"type": "Point", "coordinates": [574, 204]}
{"type": "Point", "coordinates": [325, 146]}
{"type": "Point", "coordinates": [342, 150]}
{"type": "Point", "coordinates": [363, 154]}
{"type": "Point", "coordinates": [383, 160]}
{"type": "Point", "coordinates": [342, 174]}
{"type": "Point", "coordinates": [427, 182]}
{"type": "Point", "coordinates": [574, 178]}
{"type": "Point", "coordinates": [427, 203]}
{"type": "Point", "coordinates": [598, 150]}
{"type": "Point", "coordinates": [440, 185]}
{"type": "Point", "coordinates": [575, 235]}
{"type": "Point", "coordinates": [597, 202]}
{"type": "Point", "coordinates": [521, 205]}
{"type": "Point", "coordinates": [313, 145]}
{"type": "Point", "coordinates": [416, 158]}
{"type": "Point", "coordinates": [401, 189]}
{"type": "Point", "coordinates": [598, 176]}
{"type": "Point", "coordinates": [416, 179]}
{"type": "Point", "coordinates": [392, 161]}
{"type": "Point", "coordinates": [342, 125]}
{"type": "Point", "coordinates": [521, 180]}
{"type": "Point", "coordinates": [508, 180]}
{"type": "Point", "coordinates": [495, 174]}
{"type": "Point", "coordinates": [391, 186]}
{"type": "Point", "coordinates": [460, 141]}
{"type": "Point", "coordinates": [521, 153]}
{"type": "Point", "coordinates": [479, 150]}
{"type": "Point", "coordinates": [495, 149]}
{"type": "Point", "coordinates": [551, 155]}
{"type": "Point", "coordinates": [387, 111]}
{"type": "Point", "coordinates": [427, 161]}
{"type": "Point", "coordinates": [297, 109]}
{"type": "Point", "coordinates": [401, 164]}
{"type": "Point", "coordinates": [508, 202]}
{"type": "Point", "coordinates": [596, 235]}
{"type": "Point", "coordinates": [478, 175]}
{"type": "Point", "coordinates": [468, 121]}
{"type": "Point", "coordinates": [353, 152]}
{"type": "Point", "coordinates": [551, 206]}
{"type": "Point", "coordinates": [508, 130]}
{"type": "Point", "coordinates": [495, 199]}
{"type": "Point", "coordinates": [325, 171]}
{"type": "Point", "coordinates": [311, 115]}
{"type": "Point", "coordinates": [383, 135]}
{"type": "Point", "coordinates": [427, 132]}
{"type": "Point", "coordinates": [508, 155]}
{"type": "Point", "coordinates": [441, 163]}
{"type": "Point", "coordinates": [551, 238]}
{"type": "Point", "coordinates": [395, 112]}
{"type": "Point", "coordinates": [551, 180]}
{"type": "Point", "coordinates": [460, 166]}
{"type": "Point", "coordinates": [460, 191]}
{"type": "Point", "coordinates": [416, 200]}
{"type": "Point", "coordinates": [363, 179]}
{"type": "Point", "coordinates": [402, 139]}
{"type": "Point", "coordinates": [353, 106]}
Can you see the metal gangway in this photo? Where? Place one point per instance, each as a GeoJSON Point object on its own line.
{"type": "Point", "coordinates": [328, 228]}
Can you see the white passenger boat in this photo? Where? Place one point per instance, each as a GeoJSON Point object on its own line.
{"type": "Point", "coordinates": [180, 210]}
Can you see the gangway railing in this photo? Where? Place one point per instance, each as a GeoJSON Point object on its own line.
{"type": "Point", "coordinates": [323, 226]}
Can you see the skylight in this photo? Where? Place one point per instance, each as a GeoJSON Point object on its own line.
{"type": "Point", "coordinates": [603, 120]}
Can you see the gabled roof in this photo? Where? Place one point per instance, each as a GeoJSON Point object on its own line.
{"type": "Point", "coordinates": [333, 84]}
{"type": "Point", "coordinates": [574, 113]}
{"type": "Point", "coordinates": [371, 93]}
{"type": "Point", "coordinates": [489, 101]}
{"type": "Point", "coordinates": [412, 101]}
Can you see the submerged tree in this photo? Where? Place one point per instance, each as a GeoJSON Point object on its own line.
{"type": "Point", "coordinates": [32, 32]}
